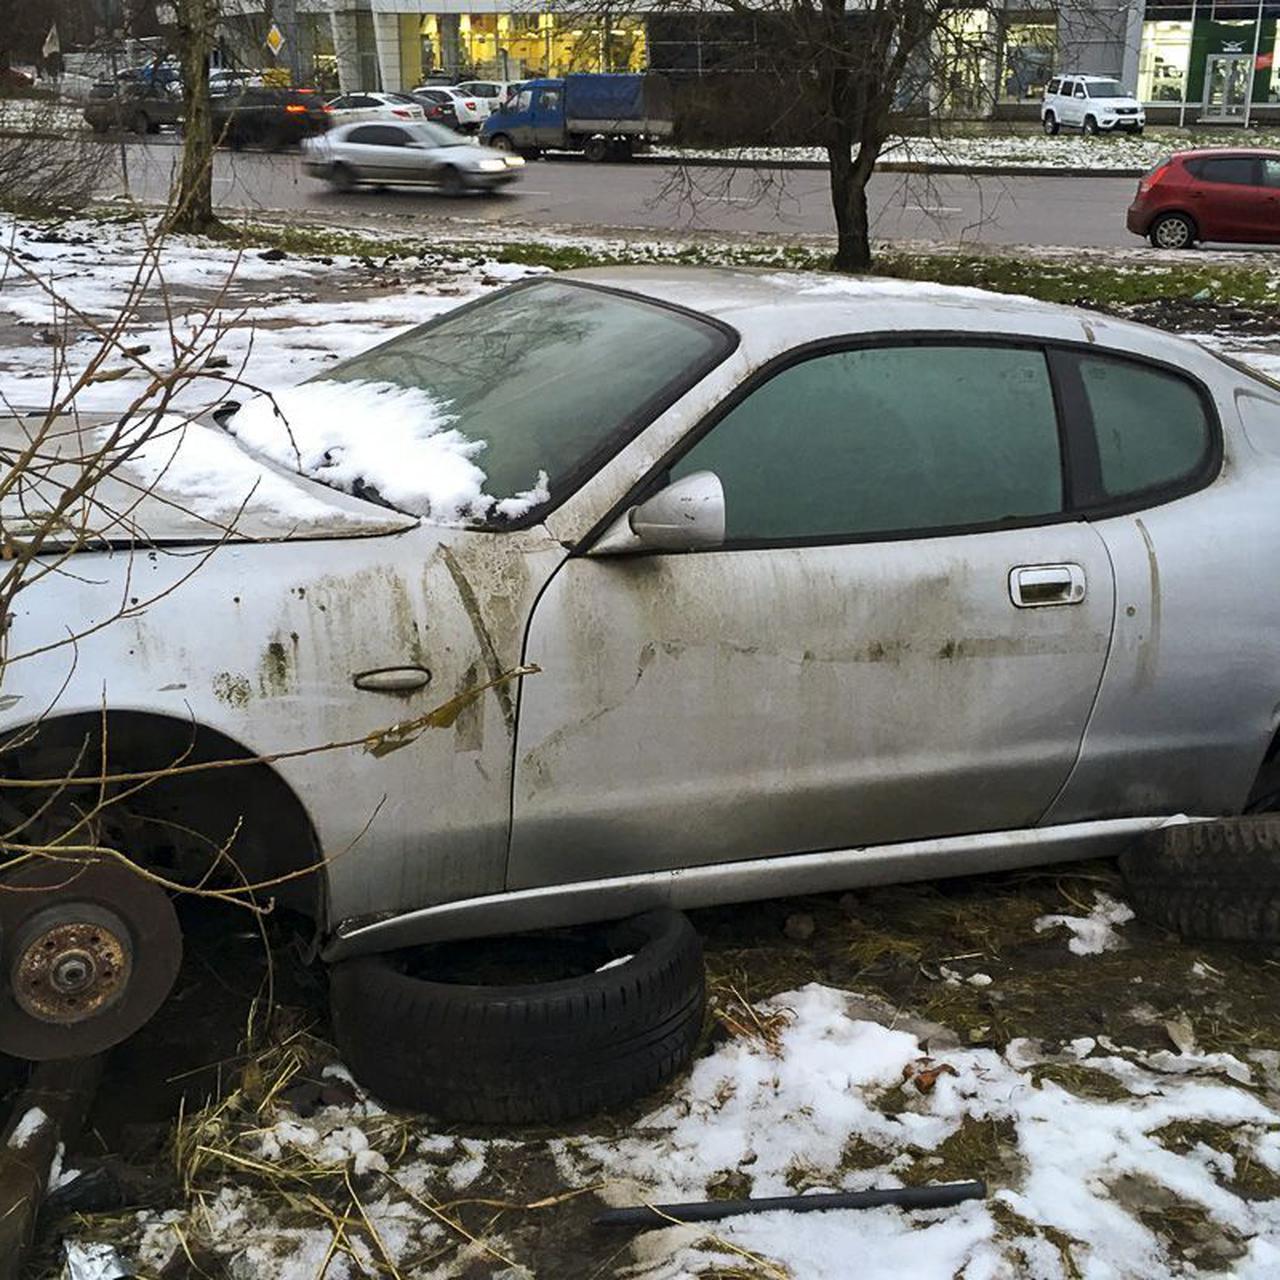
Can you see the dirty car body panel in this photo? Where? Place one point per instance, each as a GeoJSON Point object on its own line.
{"type": "Point", "coordinates": [1033, 675]}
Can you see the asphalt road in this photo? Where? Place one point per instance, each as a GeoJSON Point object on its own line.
{"type": "Point", "coordinates": [569, 191]}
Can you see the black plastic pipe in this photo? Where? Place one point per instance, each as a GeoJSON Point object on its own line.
{"type": "Point", "coordinates": [940, 1196]}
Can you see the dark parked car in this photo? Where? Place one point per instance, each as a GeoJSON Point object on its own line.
{"type": "Point", "coordinates": [254, 115]}
{"type": "Point", "coordinates": [1209, 195]}
{"type": "Point", "coordinates": [140, 105]}
{"type": "Point", "coordinates": [439, 105]}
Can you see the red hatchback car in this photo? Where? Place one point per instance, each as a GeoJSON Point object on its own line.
{"type": "Point", "coordinates": [1209, 195]}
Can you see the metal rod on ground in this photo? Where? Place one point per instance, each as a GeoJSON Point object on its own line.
{"type": "Point", "coordinates": [941, 1196]}
{"type": "Point", "coordinates": [50, 1110]}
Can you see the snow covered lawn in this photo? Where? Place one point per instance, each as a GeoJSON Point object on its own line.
{"type": "Point", "coordinates": [1008, 150]}
{"type": "Point", "coordinates": [1119, 1156]}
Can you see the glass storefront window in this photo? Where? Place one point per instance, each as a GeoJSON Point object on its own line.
{"type": "Point", "coordinates": [1030, 57]}
{"type": "Point", "coordinates": [1163, 61]}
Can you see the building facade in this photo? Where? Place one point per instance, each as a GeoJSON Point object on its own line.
{"type": "Point", "coordinates": [1204, 60]}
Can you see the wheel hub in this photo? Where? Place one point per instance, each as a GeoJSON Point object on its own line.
{"type": "Point", "coordinates": [88, 952]}
{"type": "Point", "coordinates": [70, 969]}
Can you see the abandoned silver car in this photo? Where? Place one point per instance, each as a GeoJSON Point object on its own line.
{"type": "Point", "coordinates": [814, 583]}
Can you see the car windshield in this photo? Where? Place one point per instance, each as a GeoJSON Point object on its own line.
{"type": "Point", "coordinates": [436, 135]}
{"type": "Point", "coordinates": [492, 412]}
{"type": "Point", "coordinates": [1105, 89]}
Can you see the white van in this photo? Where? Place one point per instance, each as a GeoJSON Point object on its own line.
{"type": "Point", "coordinates": [1094, 104]}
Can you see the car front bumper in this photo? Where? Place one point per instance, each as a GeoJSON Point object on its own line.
{"type": "Point", "coordinates": [1113, 123]}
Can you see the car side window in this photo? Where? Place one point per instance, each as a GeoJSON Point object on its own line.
{"type": "Point", "coordinates": [1052, 87]}
{"type": "Point", "coordinates": [549, 100]}
{"type": "Point", "coordinates": [525, 100]}
{"type": "Point", "coordinates": [1237, 171]}
{"type": "Point", "coordinates": [367, 133]}
{"type": "Point", "coordinates": [882, 440]}
{"type": "Point", "coordinates": [1151, 426]}
{"type": "Point", "coordinates": [1080, 93]}
{"type": "Point", "coordinates": [1271, 172]}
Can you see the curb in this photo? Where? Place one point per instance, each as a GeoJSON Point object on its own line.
{"type": "Point", "coordinates": [898, 166]}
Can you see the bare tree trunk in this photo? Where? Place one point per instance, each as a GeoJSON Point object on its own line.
{"type": "Point", "coordinates": [849, 201]}
{"type": "Point", "coordinates": [193, 204]}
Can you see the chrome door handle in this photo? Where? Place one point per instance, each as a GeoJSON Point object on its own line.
{"type": "Point", "coordinates": [392, 679]}
{"type": "Point", "coordinates": [1032, 586]}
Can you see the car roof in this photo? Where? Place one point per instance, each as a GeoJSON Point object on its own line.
{"type": "Point", "coordinates": [777, 310]}
{"type": "Point", "coordinates": [1225, 152]}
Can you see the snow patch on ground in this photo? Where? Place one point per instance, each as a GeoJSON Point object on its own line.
{"type": "Point", "coordinates": [1096, 932]}
{"type": "Point", "coordinates": [33, 1120]}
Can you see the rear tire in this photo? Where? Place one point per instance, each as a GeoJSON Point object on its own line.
{"type": "Point", "coordinates": [1172, 231]}
{"type": "Point", "coordinates": [1215, 880]}
{"type": "Point", "coordinates": [529, 1053]}
{"type": "Point", "coordinates": [1051, 125]}
{"type": "Point", "coordinates": [342, 177]}
{"type": "Point", "coordinates": [596, 149]}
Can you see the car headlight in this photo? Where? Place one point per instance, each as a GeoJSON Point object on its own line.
{"type": "Point", "coordinates": [513, 162]}
{"type": "Point", "coordinates": [490, 166]}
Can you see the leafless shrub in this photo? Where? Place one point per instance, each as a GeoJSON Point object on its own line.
{"type": "Point", "coordinates": [47, 163]}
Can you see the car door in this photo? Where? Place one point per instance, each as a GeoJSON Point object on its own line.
{"type": "Point", "coordinates": [1230, 202]}
{"type": "Point", "coordinates": [517, 119]}
{"type": "Point", "coordinates": [901, 637]}
{"type": "Point", "coordinates": [1077, 106]}
{"type": "Point", "coordinates": [1269, 222]}
{"type": "Point", "coordinates": [548, 116]}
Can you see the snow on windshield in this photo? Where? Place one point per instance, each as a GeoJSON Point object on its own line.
{"type": "Point", "coordinates": [393, 444]}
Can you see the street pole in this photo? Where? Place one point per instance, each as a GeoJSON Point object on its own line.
{"type": "Point", "coordinates": [1253, 66]}
{"type": "Point", "coordinates": [107, 15]}
{"type": "Point", "coordinates": [1186, 76]}
{"type": "Point", "coordinates": [285, 14]}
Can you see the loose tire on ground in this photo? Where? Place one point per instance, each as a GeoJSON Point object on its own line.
{"type": "Point", "coordinates": [529, 1053]}
{"type": "Point", "coordinates": [1214, 880]}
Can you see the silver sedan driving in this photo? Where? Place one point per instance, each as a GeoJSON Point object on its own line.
{"type": "Point", "coordinates": [415, 153]}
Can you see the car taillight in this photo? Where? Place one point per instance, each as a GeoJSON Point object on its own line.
{"type": "Point", "coordinates": [295, 108]}
{"type": "Point", "coordinates": [470, 106]}
{"type": "Point", "coordinates": [401, 112]}
{"type": "Point", "coordinates": [328, 108]}
{"type": "Point", "coordinates": [435, 111]}
{"type": "Point", "coordinates": [1149, 180]}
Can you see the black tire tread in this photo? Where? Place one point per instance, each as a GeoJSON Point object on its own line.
{"type": "Point", "coordinates": [1215, 880]}
{"type": "Point", "coordinates": [525, 1054]}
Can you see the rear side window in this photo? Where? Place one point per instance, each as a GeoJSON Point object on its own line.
{"type": "Point", "coordinates": [1237, 171]}
{"type": "Point", "coordinates": [1052, 86]}
{"type": "Point", "coordinates": [1151, 426]}
{"type": "Point", "coordinates": [1271, 171]}
{"type": "Point", "coordinates": [885, 440]}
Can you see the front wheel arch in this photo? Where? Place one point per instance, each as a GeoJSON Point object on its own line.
{"type": "Point", "coordinates": [276, 837]}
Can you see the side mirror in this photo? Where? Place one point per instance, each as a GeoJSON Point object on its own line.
{"type": "Point", "coordinates": [685, 516]}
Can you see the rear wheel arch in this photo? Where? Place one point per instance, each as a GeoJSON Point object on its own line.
{"type": "Point", "coordinates": [273, 832]}
{"type": "Point", "coordinates": [1168, 215]}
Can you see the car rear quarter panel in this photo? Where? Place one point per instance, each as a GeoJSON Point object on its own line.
{"type": "Point", "coordinates": [1190, 697]}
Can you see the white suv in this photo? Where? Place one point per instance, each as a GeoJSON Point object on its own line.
{"type": "Point", "coordinates": [1095, 104]}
